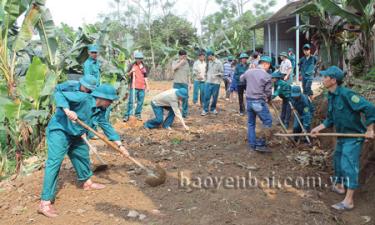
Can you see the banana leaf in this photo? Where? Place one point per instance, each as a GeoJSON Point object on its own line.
{"type": "Point", "coordinates": [26, 33]}
{"type": "Point", "coordinates": [34, 80]}
{"type": "Point", "coordinates": [47, 33]}
{"type": "Point", "coordinates": [334, 9]}
{"type": "Point", "coordinates": [13, 9]}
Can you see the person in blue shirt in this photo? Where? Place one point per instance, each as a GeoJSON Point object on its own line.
{"type": "Point", "coordinates": [307, 66]}
{"type": "Point", "coordinates": [348, 113]}
{"type": "Point", "coordinates": [64, 137]}
{"type": "Point", "coordinates": [92, 65]}
{"type": "Point", "coordinates": [305, 110]}
{"type": "Point", "coordinates": [241, 68]}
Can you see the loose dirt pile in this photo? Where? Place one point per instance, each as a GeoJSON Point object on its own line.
{"type": "Point", "coordinates": [211, 180]}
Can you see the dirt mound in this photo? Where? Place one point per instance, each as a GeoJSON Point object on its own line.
{"type": "Point", "coordinates": [205, 168]}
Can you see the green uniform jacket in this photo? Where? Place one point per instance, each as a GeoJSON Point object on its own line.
{"type": "Point", "coordinates": [240, 69]}
{"type": "Point", "coordinates": [304, 108]}
{"type": "Point", "coordinates": [282, 89]}
{"type": "Point", "coordinates": [91, 67]}
{"type": "Point", "coordinates": [308, 67]}
{"type": "Point", "coordinates": [344, 111]}
{"type": "Point", "coordinates": [85, 106]}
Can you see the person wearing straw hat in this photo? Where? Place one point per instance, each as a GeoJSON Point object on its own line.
{"type": "Point", "coordinates": [348, 113]}
{"type": "Point", "coordinates": [138, 86]}
{"type": "Point", "coordinates": [64, 138]}
{"type": "Point", "coordinates": [286, 68]}
{"type": "Point", "coordinates": [305, 110]}
{"type": "Point", "coordinates": [92, 65]}
{"type": "Point", "coordinates": [168, 100]}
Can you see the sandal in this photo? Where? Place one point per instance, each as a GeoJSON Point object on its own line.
{"type": "Point", "coordinates": [93, 186]}
{"type": "Point", "coordinates": [47, 210]}
{"type": "Point", "coordinates": [337, 191]}
{"type": "Point", "coordinates": [341, 206]}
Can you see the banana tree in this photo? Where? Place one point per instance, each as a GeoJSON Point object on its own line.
{"type": "Point", "coordinates": [360, 14]}
{"type": "Point", "coordinates": [329, 29]}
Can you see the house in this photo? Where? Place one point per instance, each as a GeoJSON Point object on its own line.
{"type": "Point", "coordinates": [279, 34]}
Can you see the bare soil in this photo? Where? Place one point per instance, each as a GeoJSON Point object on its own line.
{"type": "Point", "coordinates": [215, 148]}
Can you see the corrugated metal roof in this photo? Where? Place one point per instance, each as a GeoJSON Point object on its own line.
{"type": "Point", "coordinates": [285, 12]}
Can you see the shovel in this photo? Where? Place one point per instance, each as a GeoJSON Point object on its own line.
{"type": "Point", "coordinates": [154, 177]}
{"type": "Point", "coordinates": [282, 124]}
{"type": "Point", "coordinates": [103, 166]}
{"type": "Point", "coordinates": [323, 135]}
{"type": "Point", "coordinates": [299, 122]}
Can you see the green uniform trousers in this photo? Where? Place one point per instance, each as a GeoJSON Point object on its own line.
{"type": "Point", "coordinates": [346, 162]}
{"type": "Point", "coordinates": [60, 144]}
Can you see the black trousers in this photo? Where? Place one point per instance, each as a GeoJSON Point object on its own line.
{"type": "Point", "coordinates": [241, 92]}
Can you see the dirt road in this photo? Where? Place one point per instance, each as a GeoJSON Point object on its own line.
{"type": "Point", "coordinates": [213, 157]}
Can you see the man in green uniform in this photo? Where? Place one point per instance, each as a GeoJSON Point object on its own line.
{"type": "Point", "coordinates": [86, 84]}
{"type": "Point", "coordinates": [64, 137]}
{"type": "Point", "coordinates": [241, 68]}
{"type": "Point", "coordinates": [345, 112]}
{"type": "Point", "coordinates": [91, 67]}
{"type": "Point", "coordinates": [304, 108]}
{"type": "Point", "coordinates": [307, 65]}
{"type": "Point", "coordinates": [283, 90]}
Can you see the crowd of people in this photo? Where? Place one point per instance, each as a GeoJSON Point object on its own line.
{"type": "Point", "coordinates": [256, 80]}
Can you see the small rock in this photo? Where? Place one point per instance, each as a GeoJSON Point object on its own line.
{"type": "Point", "coordinates": [80, 211]}
{"type": "Point", "coordinates": [133, 214]}
{"type": "Point", "coordinates": [17, 210]}
{"type": "Point", "coordinates": [68, 166]}
{"type": "Point", "coordinates": [142, 216]}
{"type": "Point", "coordinates": [366, 219]}
{"type": "Point", "coordinates": [111, 215]}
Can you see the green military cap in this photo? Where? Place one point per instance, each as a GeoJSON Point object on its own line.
{"type": "Point", "coordinates": [105, 91]}
{"type": "Point", "coordinates": [88, 82]}
{"type": "Point", "coordinates": [307, 46]}
{"type": "Point", "coordinates": [276, 74]}
{"type": "Point", "coordinates": [244, 55]}
{"type": "Point", "coordinates": [182, 93]}
{"type": "Point", "coordinates": [230, 58]}
{"type": "Point", "coordinates": [93, 48]}
{"type": "Point", "coordinates": [296, 91]}
{"type": "Point", "coordinates": [138, 55]}
{"type": "Point", "coordinates": [265, 59]}
{"type": "Point", "coordinates": [333, 72]}
{"type": "Point", "coordinates": [284, 54]}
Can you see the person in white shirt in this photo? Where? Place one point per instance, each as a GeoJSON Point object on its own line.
{"type": "Point", "coordinates": [168, 100]}
{"type": "Point", "coordinates": [286, 68]}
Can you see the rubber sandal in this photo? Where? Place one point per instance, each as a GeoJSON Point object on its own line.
{"type": "Point", "coordinates": [47, 210]}
{"type": "Point", "coordinates": [337, 191]}
{"type": "Point", "coordinates": [93, 186]}
{"type": "Point", "coordinates": [342, 207]}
